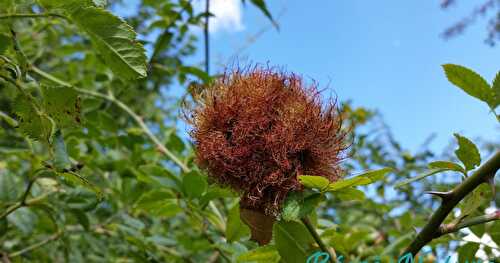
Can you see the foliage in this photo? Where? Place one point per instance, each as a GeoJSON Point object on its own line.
{"type": "Point", "coordinates": [94, 169]}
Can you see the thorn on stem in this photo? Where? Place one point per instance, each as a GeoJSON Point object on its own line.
{"type": "Point", "coordinates": [442, 195]}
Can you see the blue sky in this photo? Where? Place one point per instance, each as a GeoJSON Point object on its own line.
{"type": "Point", "coordinates": [385, 55]}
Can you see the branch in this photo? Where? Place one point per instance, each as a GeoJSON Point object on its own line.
{"type": "Point", "coordinates": [121, 105]}
{"type": "Point", "coordinates": [433, 228]}
{"type": "Point", "coordinates": [42, 15]}
{"type": "Point", "coordinates": [51, 238]}
{"type": "Point", "coordinates": [450, 228]}
{"type": "Point", "coordinates": [319, 241]}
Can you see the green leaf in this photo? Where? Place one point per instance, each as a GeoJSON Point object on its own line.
{"type": "Point", "coordinates": [445, 165]}
{"type": "Point", "coordinates": [481, 195]}
{"type": "Point", "coordinates": [5, 42]}
{"type": "Point", "coordinates": [63, 105]}
{"type": "Point", "coordinates": [202, 75]}
{"type": "Point", "coordinates": [82, 181]}
{"type": "Point", "coordinates": [496, 89]}
{"type": "Point", "coordinates": [312, 181]}
{"type": "Point", "coordinates": [264, 254]}
{"type": "Point", "coordinates": [235, 229]}
{"type": "Point", "coordinates": [292, 241]}
{"type": "Point", "coordinates": [32, 122]}
{"type": "Point", "coordinates": [470, 82]}
{"type": "Point", "coordinates": [348, 194]}
{"type": "Point", "coordinates": [467, 252]}
{"type": "Point", "coordinates": [65, 4]}
{"type": "Point", "coordinates": [115, 40]}
{"type": "Point", "coordinates": [467, 152]}
{"type": "Point", "coordinates": [365, 178]}
{"type": "Point", "coordinates": [194, 184]}
{"type": "Point", "coordinates": [61, 158]}
{"type": "Point", "coordinates": [215, 191]}
{"type": "Point", "coordinates": [160, 203]}
{"type": "Point", "coordinates": [296, 207]}
{"type": "Point", "coordinates": [291, 207]}
{"type": "Point", "coordinates": [355, 181]}
{"type": "Point", "coordinates": [420, 177]}
{"type": "Point", "coordinates": [375, 175]}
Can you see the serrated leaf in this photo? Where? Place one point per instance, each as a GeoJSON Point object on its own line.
{"type": "Point", "coordinates": [235, 228]}
{"type": "Point", "coordinates": [313, 181]}
{"type": "Point", "coordinates": [194, 184]}
{"type": "Point", "coordinates": [33, 123]}
{"type": "Point", "coordinates": [349, 194]}
{"type": "Point", "coordinates": [61, 158]}
{"type": "Point", "coordinates": [292, 241]}
{"type": "Point", "coordinates": [420, 177]}
{"type": "Point", "coordinates": [264, 254]}
{"type": "Point", "coordinates": [451, 166]}
{"type": "Point", "coordinates": [115, 40]}
{"type": "Point", "coordinates": [63, 105]}
{"type": "Point", "coordinates": [470, 82]}
{"type": "Point", "coordinates": [467, 152]}
{"type": "Point", "coordinates": [496, 90]}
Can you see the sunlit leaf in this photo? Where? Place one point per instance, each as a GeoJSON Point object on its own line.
{"type": "Point", "coordinates": [467, 152]}
{"type": "Point", "coordinates": [445, 165]}
{"type": "Point", "coordinates": [312, 181]}
{"type": "Point", "coordinates": [470, 82]}
{"type": "Point", "coordinates": [115, 40]}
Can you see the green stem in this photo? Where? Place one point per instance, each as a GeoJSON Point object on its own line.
{"type": "Point", "coordinates": [27, 15]}
{"type": "Point", "coordinates": [318, 239]}
{"type": "Point", "coordinates": [37, 245]}
{"type": "Point", "coordinates": [449, 200]}
{"type": "Point", "coordinates": [124, 107]}
{"type": "Point", "coordinates": [450, 228]}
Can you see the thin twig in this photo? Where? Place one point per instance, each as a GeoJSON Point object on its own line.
{"type": "Point", "coordinates": [206, 35]}
{"type": "Point", "coordinates": [433, 227]}
{"type": "Point", "coordinates": [318, 239]}
{"type": "Point", "coordinates": [451, 228]}
{"type": "Point", "coordinates": [124, 107]}
{"type": "Point", "coordinates": [36, 245]}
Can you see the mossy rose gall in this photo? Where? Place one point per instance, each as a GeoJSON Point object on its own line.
{"type": "Point", "coordinates": [256, 130]}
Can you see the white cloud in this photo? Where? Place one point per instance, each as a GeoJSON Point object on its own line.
{"type": "Point", "coordinates": [227, 15]}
